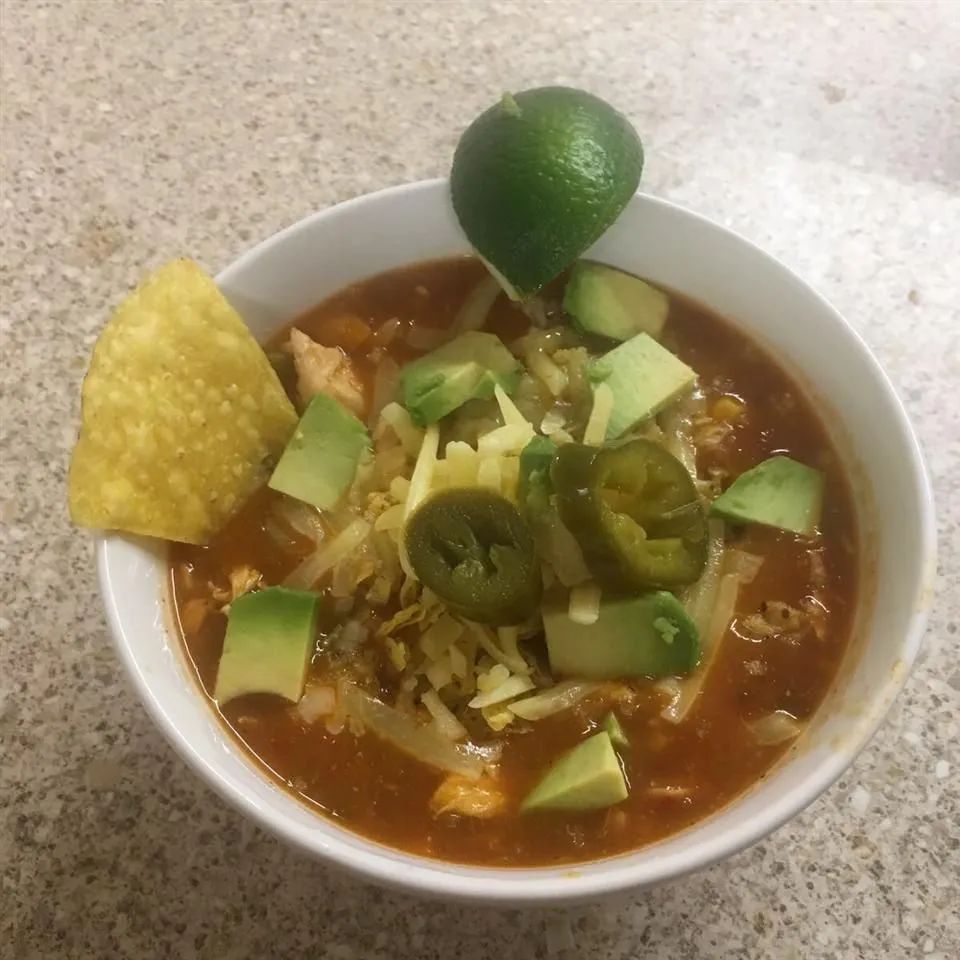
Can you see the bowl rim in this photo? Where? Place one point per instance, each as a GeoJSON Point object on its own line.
{"type": "Point", "coordinates": [413, 873]}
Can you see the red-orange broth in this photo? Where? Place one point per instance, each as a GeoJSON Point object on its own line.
{"type": "Point", "coordinates": [705, 761]}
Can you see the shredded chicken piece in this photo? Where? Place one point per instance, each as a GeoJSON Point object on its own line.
{"type": "Point", "coordinates": [708, 432]}
{"type": "Point", "coordinates": [817, 614]}
{"type": "Point", "coordinates": [468, 798]}
{"type": "Point", "coordinates": [243, 579]}
{"type": "Point", "coordinates": [774, 619]}
{"type": "Point", "coordinates": [325, 370]}
{"type": "Point", "coordinates": [818, 569]}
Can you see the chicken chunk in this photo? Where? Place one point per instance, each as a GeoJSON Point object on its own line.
{"type": "Point", "coordinates": [468, 798]}
{"type": "Point", "coordinates": [325, 370]}
{"type": "Point", "coordinates": [775, 619]}
{"type": "Point", "coordinates": [243, 579]}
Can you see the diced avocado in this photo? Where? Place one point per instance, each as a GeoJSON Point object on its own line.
{"type": "Point", "coordinates": [646, 636]}
{"type": "Point", "coordinates": [644, 378]}
{"type": "Point", "coordinates": [779, 492]}
{"type": "Point", "coordinates": [611, 726]}
{"type": "Point", "coordinates": [587, 778]}
{"type": "Point", "coordinates": [269, 641]}
{"type": "Point", "coordinates": [612, 303]}
{"type": "Point", "coordinates": [320, 461]}
{"type": "Point", "coordinates": [534, 487]}
{"type": "Point", "coordinates": [466, 368]}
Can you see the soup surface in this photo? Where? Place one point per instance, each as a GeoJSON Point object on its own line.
{"type": "Point", "coordinates": [776, 658]}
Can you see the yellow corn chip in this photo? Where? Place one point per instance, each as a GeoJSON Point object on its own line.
{"type": "Point", "coordinates": [182, 413]}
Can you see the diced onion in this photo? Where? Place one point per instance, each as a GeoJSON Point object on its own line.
{"type": "Point", "coordinates": [423, 742]}
{"type": "Point", "coordinates": [426, 338]}
{"type": "Point", "coordinates": [387, 332]}
{"type": "Point", "coordinates": [553, 421]}
{"type": "Point", "coordinates": [595, 431]}
{"type": "Point", "coordinates": [477, 304]}
{"type": "Point", "coordinates": [776, 727]}
{"type": "Point", "coordinates": [677, 425]}
{"type": "Point", "coordinates": [409, 435]}
{"type": "Point", "coordinates": [553, 700]}
{"type": "Point", "coordinates": [584, 605]}
{"type": "Point", "coordinates": [384, 386]}
{"type": "Point", "coordinates": [313, 567]}
{"type": "Point", "coordinates": [745, 565]}
{"type": "Point", "coordinates": [685, 693]}
{"type": "Point", "coordinates": [300, 517]}
{"type": "Point", "coordinates": [447, 724]}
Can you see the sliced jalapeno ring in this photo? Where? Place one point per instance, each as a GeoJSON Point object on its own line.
{"type": "Point", "coordinates": [473, 550]}
{"type": "Point", "coordinates": [635, 512]}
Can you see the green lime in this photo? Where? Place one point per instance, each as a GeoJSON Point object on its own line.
{"type": "Point", "coordinates": [539, 177]}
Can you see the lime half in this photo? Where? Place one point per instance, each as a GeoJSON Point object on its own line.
{"type": "Point", "coordinates": [539, 177]}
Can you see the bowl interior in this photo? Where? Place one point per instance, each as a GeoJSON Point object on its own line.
{"type": "Point", "coordinates": [292, 271]}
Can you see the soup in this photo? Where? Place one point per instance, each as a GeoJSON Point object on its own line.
{"type": "Point", "coordinates": [572, 599]}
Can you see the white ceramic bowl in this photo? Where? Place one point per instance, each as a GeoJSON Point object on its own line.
{"type": "Point", "coordinates": [292, 271]}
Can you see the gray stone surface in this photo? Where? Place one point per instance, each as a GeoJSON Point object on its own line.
{"type": "Point", "coordinates": [132, 133]}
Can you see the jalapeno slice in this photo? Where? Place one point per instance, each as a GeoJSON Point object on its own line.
{"type": "Point", "coordinates": [634, 510]}
{"type": "Point", "coordinates": [473, 550]}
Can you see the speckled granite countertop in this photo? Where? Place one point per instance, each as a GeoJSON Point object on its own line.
{"type": "Point", "coordinates": [133, 132]}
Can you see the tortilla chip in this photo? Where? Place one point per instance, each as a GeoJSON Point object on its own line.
{"type": "Point", "coordinates": [182, 414]}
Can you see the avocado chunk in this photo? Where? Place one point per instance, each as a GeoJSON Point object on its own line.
{"type": "Point", "coordinates": [612, 303]}
{"type": "Point", "coordinates": [612, 728]}
{"type": "Point", "coordinates": [644, 378]}
{"type": "Point", "coordinates": [646, 636]}
{"type": "Point", "coordinates": [269, 641]}
{"type": "Point", "coordinates": [320, 461]}
{"type": "Point", "coordinates": [779, 492]}
{"type": "Point", "coordinates": [466, 368]}
{"type": "Point", "coordinates": [586, 778]}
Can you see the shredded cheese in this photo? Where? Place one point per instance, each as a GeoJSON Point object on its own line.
{"type": "Point", "coordinates": [313, 567]}
{"type": "Point", "coordinates": [511, 438]}
{"type": "Point", "coordinates": [510, 688]}
{"type": "Point", "coordinates": [584, 605]}
{"type": "Point", "coordinates": [420, 485]}
{"type": "Point", "coordinates": [445, 721]}
{"type": "Point", "coordinates": [489, 474]}
{"type": "Point", "coordinates": [508, 409]}
{"type": "Point", "coordinates": [391, 518]}
{"type": "Point", "coordinates": [435, 641]}
{"type": "Point", "coordinates": [543, 368]}
{"type": "Point", "coordinates": [595, 431]}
